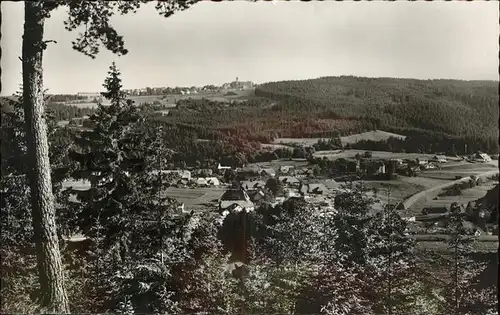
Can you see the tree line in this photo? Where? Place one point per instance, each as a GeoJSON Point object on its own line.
{"type": "Point", "coordinates": [458, 108]}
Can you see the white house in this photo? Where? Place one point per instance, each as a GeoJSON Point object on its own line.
{"type": "Point", "coordinates": [236, 197]}
{"type": "Point", "coordinates": [397, 161]}
{"type": "Point", "coordinates": [439, 158]}
{"type": "Point", "coordinates": [221, 167]}
{"type": "Point", "coordinates": [201, 181]}
{"type": "Point", "coordinates": [213, 181]}
{"type": "Point", "coordinates": [422, 161]}
{"type": "Point", "coordinates": [285, 169]}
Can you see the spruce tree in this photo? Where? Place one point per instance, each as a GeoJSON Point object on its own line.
{"type": "Point", "coordinates": [125, 211]}
{"type": "Point", "coordinates": [391, 257]}
{"type": "Point", "coordinates": [458, 291]}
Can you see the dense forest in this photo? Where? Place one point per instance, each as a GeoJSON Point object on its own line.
{"type": "Point", "coordinates": [461, 108]}
{"type": "Point", "coordinates": [436, 115]}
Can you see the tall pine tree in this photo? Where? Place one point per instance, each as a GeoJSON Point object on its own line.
{"type": "Point", "coordinates": [134, 226]}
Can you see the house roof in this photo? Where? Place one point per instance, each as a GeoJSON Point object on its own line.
{"type": "Point", "coordinates": [249, 184]}
{"type": "Point", "coordinates": [225, 204]}
{"type": "Point", "coordinates": [286, 168]}
{"type": "Point", "coordinates": [234, 195]}
{"type": "Point", "coordinates": [289, 179]}
{"type": "Point", "coordinates": [292, 193]}
{"type": "Point", "coordinates": [213, 180]}
{"type": "Point", "coordinates": [314, 188]}
{"type": "Point", "coordinates": [201, 181]}
{"type": "Point", "coordinates": [269, 171]}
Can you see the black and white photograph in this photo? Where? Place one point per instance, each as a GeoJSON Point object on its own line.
{"type": "Point", "coordinates": [249, 157]}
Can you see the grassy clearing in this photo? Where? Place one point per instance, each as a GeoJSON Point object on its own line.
{"type": "Point", "coordinates": [376, 135]}
{"type": "Point", "coordinates": [470, 194]}
{"type": "Point", "coordinates": [275, 146]}
{"type": "Point", "coordinates": [395, 190]}
{"type": "Point", "coordinates": [297, 141]}
{"type": "Point", "coordinates": [350, 154]}
{"type": "Point", "coordinates": [276, 164]}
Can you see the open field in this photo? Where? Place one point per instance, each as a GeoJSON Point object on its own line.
{"type": "Point", "coordinates": [215, 96]}
{"type": "Point", "coordinates": [417, 202]}
{"type": "Point", "coordinates": [394, 191]}
{"type": "Point", "coordinates": [470, 194]}
{"type": "Point", "coordinates": [197, 198]}
{"type": "Point", "coordinates": [298, 141]}
{"type": "Point", "coordinates": [275, 146]}
{"type": "Point", "coordinates": [449, 172]}
{"type": "Point", "coordinates": [376, 135]}
{"type": "Point", "coordinates": [276, 164]}
{"type": "Point", "coordinates": [350, 154]}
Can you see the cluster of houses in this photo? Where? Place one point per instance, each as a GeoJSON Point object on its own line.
{"type": "Point", "coordinates": [252, 189]}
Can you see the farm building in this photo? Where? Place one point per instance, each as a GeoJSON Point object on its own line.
{"type": "Point", "coordinates": [213, 181]}
{"type": "Point", "coordinates": [201, 181]}
{"type": "Point", "coordinates": [285, 169]}
{"type": "Point", "coordinates": [238, 197]}
{"type": "Point", "coordinates": [204, 172]}
{"type": "Point", "coordinates": [397, 161]}
{"type": "Point", "coordinates": [268, 172]}
{"type": "Point", "coordinates": [439, 158]}
{"type": "Point", "coordinates": [381, 168]}
{"type": "Point", "coordinates": [223, 167]}
{"type": "Point", "coordinates": [289, 180]}
{"type": "Point", "coordinates": [253, 185]}
{"type": "Point", "coordinates": [482, 157]}
{"type": "Point", "coordinates": [422, 161]}
{"type": "Point", "coordinates": [256, 195]}
{"type": "Point", "coordinates": [207, 181]}
{"type": "Point", "coordinates": [317, 189]}
{"type": "Point", "coordinates": [289, 193]}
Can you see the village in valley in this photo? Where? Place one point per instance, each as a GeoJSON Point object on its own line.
{"type": "Point", "coordinates": [249, 157]}
{"type": "Point", "coordinates": [419, 186]}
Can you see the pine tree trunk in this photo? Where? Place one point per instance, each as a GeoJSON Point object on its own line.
{"type": "Point", "coordinates": [53, 297]}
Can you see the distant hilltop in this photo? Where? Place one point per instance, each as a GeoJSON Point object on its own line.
{"type": "Point", "coordinates": [234, 85]}
{"type": "Point", "coordinates": [242, 85]}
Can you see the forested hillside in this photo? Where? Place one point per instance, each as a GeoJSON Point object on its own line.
{"type": "Point", "coordinates": [462, 108]}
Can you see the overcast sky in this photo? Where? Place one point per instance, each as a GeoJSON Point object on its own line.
{"type": "Point", "coordinates": [213, 43]}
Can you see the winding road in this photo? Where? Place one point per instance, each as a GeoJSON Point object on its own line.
{"type": "Point", "coordinates": [408, 203]}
